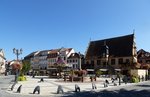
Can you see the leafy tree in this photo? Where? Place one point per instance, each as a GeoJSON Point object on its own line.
{"type": "Point", "coordinates": [98, 73]}
{"type": "Point", "coordinates": [26, 66]}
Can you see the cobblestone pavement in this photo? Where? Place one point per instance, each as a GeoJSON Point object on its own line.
{"type": "Point", "coordinates": [50, 86]}
{"type": "Point", "coordinates": [135, 90]}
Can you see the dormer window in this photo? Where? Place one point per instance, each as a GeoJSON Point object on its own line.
{"type": "Point", "coordinates": [73, 54]}
{"type": "Point", "coordinates": [104, 54]}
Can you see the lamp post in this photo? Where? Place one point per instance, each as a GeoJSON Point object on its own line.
{"type": "Point", "coordinates": [80, 60]}
{"type": "Point", "coordinates": [17, 52]}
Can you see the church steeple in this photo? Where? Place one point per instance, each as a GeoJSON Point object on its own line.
{"type": "Point", "coordinates": [133, 31]}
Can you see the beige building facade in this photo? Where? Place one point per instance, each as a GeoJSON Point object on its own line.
{"type": "Point", "coordinates": [2, 61]}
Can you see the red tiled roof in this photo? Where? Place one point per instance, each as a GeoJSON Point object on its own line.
{"type": "Point", "coordinates": [74, 55]}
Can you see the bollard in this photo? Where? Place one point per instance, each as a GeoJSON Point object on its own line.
{"type": "Point", "coordinates": [94, 86]}
{"type": "Point", "coordinates": [12, 87]}
{"type": "Point", "coordinates": [37, 89]}
{"type": "Point", "coordinates": [119, 81]}
{"type": "Point", "coordinates": [139, 79]}
{"type": "Point", "coordinates": [91, 78]}
{"type": "Point", "coordinates": [41, 80]}
{"type": "Point", "coordinates": [142, 78]}
{"type": "Point", "coordinates": [146, 77]}
{"type": "Point", "coordinates": [115, 84]}
{"type": "Point", "coordinates": [125, 79]}
{"type": "Point", "coordinates": [105, 85]}
{"type": "Point", "coordinates": [95, 78]}
{"type": "Point", "coordinates": [60, 90]}
{"type": "Point", "coordinates": [33, 75]}
{"type": "Point", "coordinates": [65, 78]}
{"type": "Point", "coordinates": [77, 88]}
{"type": "Point", "coordinates": [19, 89]}
{"type": "Point", "coordinates": [82, 79]}
{"type": "Point", "coordinates": [71, 78]}
{"type": "Point", "coordinates": [106, 81]}
{"type": "Point", "coordinates": [113, 81]}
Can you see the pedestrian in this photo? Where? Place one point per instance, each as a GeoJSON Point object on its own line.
{"type": "Point", "coordinates": [112, 80]}
{"type": "Point", "coordinates": [139, 78]}
{"type": "Point", "coordinates": [142, 78]}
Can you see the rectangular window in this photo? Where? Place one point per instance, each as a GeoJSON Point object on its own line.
{"type": "Point", "coordinates": [147, 61]}
{"type": "Point", "coordinates": [104, 64]}
{"type": "Point", "coordinates": [73, 66]}
{"type": "Point", "coordinates": [70, 61]}
{"type": "Point", "coordinates": [113, 61]}
{"type": "Point", "coordinates": [76, 60]}
{"type": "Point", "coordinates": [120, 61]}
{"type": "Point", "coordinates": [92, 62]}
{"type": "Point", "coordinates": [127, 61]}
{"type": "Point", "coordinates": [98, 62]}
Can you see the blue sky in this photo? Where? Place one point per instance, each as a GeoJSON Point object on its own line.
{"type": "Point", "coordinates": [46, 24]}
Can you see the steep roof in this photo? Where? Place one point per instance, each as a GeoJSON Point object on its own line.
{"type": "Point", "coordinates": [74, 55]}
{"type": "Point", "coordinates": [41, 52]}
{"type": "Point", "coordinates": [60, 61]}
{"type": "Point", "coordinates": [143, 54]}
{"type": "Point", "coordinates": [118, 46]}
{"type": "Point", "coordinates": [31, 55]}
{"type": "Point", "coordinates": [53, 53]}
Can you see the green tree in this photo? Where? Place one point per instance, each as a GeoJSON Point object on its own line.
{"type": "Point", "coordinates": [26, 66]}
{"type": "Point", "coordinates": [98, 73]}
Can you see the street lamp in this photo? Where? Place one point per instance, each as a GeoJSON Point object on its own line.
{"type": "Point", "coordinates": [17, 52]}
{"type": "Point", "coordinates": [80, 56]}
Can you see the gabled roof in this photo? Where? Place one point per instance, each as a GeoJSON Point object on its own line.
{"type": "Point", "coordinates": [41, 52]}
{"type": "Point", "coordinates": [74, 55]}
{"type": "Point", "coordinates": [53, 53]}
{"type": "Point", "coordinates": [118, 46]}
{"type": "Point", "coordinates": [143, 54]}
{"type": "Point", "coordinates": [31, 55]}
{"type": "Point", "coordinates": [60, 61]}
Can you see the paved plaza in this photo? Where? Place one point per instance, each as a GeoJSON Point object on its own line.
{"type": "Point", "coordinates": [49, 88]}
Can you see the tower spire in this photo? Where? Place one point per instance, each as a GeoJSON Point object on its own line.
{"type": "Point", "coordinates": [133, 31]}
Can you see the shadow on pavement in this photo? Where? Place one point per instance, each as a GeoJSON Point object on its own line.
{"type": "Point", "coordinates": [117, 93]}
{"type": "Point", "coordinates": [143, 85]}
